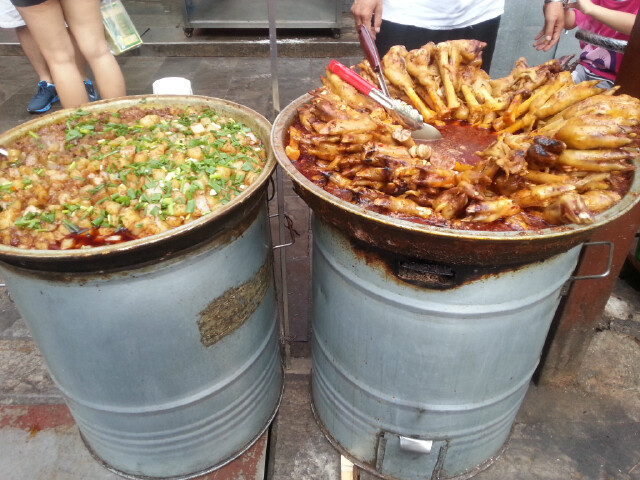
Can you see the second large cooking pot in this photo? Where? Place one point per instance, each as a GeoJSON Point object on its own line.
{"type": "Point", "coordinates": [431, 243]}
{"type": "Point", "coordinates": [425, 338]}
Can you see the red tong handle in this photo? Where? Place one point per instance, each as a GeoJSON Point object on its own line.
{"type": "Point", "coordinates": [369, 47]}
{"type": "Point", "coordinates": [351, 77]}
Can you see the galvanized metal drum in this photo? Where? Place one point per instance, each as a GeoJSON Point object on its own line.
{"type": "Point", "coordinates": [425, 338]}
{"type": "Point", "coordinates": [414, 382]}
{"type": "Point", "coordinates": [166, 349]}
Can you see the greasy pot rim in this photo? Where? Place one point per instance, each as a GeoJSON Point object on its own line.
{"type": "Point", "coordinates": [287, 117]}
{"type": "Point", "coordinates": [258, 124]}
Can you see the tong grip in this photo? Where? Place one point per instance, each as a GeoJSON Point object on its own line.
{"type": "Point", "coordinates": [369, 47]}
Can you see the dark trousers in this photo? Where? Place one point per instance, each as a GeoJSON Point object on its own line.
{"type": "Point", "coordinates": [415, 37]}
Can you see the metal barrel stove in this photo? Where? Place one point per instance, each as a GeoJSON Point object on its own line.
{"type": "Point", "coordinates": [417, 382]}
{"type": "Point", "coordinates": [166, 348]}
{"type": "Point", "coordinates": [425, 339]}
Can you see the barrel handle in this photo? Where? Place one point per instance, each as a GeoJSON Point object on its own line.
{"type": "Point", "coordinates": [598, 275]}
{"type": "Point", "coordinates": [289, 226]}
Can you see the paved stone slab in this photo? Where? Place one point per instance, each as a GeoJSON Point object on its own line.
{"type": "Point", "coordinates": [42, 442]}
{"type": "Point", "coordinates": [563, 435]}
{"type": "Point", "coordinates": [589, 432]}
{"type": "Point", "coordinates": [8, 312]}
{"type": "Point", "coordinates": [298, 448]}
{"type": "Point", "coordinates": [23, 375]}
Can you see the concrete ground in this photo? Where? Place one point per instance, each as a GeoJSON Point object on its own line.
{"type": "Point", "coordinates": [587, 430]}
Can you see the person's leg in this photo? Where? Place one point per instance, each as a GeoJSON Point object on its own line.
{"type": "Point", "coordinates": [583, 74]}
{"type": "Point", "coordinates": [579, 74]}
{"type": "Point", "coordinates": [85, 23]}
{"type": "Point", "coordinates": [82, 67]}
{"type": "Point", "coordinates": [415, 37]}
{"type": "Point", "coordinates": [81, 63]}
{"type": "Point", "coordinates": [46, 93]}
{"type": "Point", "coordinates": [411, 37]}
{"type": "Point", "coordinates": [425, 35]}
{"type": "Point", "coordinates": [392, 34]}
{"type": "Point", "coordinates": [32, 52]}
{"type": "Point", "coordinates": [46, 23]}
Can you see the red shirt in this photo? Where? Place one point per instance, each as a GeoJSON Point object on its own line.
{"type": "Point", "coordinates": [604, 63]}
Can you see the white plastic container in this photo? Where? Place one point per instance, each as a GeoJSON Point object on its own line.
{"type": "Point", "coordinates": [172, 86]}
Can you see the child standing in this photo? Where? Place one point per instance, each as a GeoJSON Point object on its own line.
{"type": "Point", "coordinates": [609, 18]}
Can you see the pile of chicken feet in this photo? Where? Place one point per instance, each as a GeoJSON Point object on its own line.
{"type": "Point", "coordinates": [563, 151]}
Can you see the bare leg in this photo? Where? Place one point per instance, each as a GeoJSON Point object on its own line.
{"type": "Point", "coordinates": [39, 64]}
{"type": "Point", "coordinates": [85, 23]}
{"type": "Point", "coordinates": [46, 23]}
{"type": "Point", "coordinates": [81, 63]}
{"type": "Point", "coordinates": [32, 52]}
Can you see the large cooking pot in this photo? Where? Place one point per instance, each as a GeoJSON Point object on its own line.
{"type": "Point", "coordinates": [165, 348]}
{"type": "Point", "coordinates": [425, 338]}
{"type": "Point", "coordinates": [159, 245]}
{"type": "Point", "coordinates": [431, 243]}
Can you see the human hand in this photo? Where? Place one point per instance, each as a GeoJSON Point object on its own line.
{"type": "Point", "coordinates": [553, 25]}
{"type": "Point", "coordinates": [583, 5]}
{"type": "Point", "coordinates": [369, 14]}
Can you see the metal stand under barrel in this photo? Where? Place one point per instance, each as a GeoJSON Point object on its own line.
{"type": "Point", "coordinates": [283, 301]}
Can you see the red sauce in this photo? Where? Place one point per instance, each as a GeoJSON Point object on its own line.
{"type": "Point", "coordinates": [461, 142]}
{"type": "Point", "coordinates": [91, 238]}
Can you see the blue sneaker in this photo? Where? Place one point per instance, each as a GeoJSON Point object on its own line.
{"type": "Point", "coordinates": [91, 91]}
{"type": "Point", "coordinates": [45, 95]}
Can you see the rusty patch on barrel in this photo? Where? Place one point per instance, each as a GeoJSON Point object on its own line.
{"type": "Point", "coordinates": [226, 313]}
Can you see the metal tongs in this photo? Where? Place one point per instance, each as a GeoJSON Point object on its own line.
{"type": "Point", "coordinates": [411, 116]}
{"type": "Point", "coordinates": [371, 52]}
